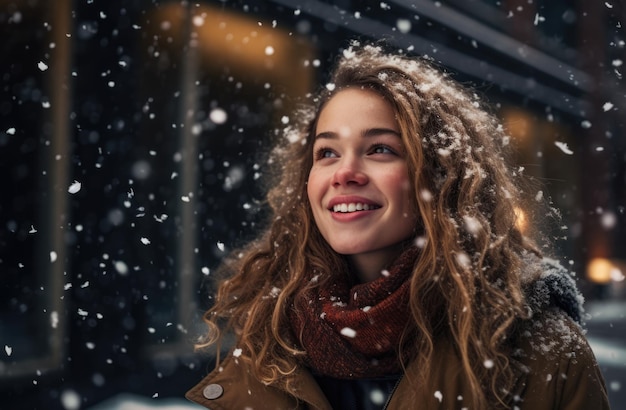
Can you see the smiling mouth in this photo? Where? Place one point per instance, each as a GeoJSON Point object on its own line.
{"type": "Point", "coordinates": [353, 207]}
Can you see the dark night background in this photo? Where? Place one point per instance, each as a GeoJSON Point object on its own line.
{"type": "Point", "coordinates": [132, 142]}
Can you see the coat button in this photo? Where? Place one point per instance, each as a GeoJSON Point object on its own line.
{"type": "Point", "coordinates": [213, 391]}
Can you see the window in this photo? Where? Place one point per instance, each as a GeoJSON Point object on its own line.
{"type": "Point", "coordinates": [34, 153]}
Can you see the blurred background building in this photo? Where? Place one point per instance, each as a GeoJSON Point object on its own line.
{"type": "Point", "coordinates": [132, 136]}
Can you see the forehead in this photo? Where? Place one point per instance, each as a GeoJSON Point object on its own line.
{"type": "Point", "coordinates": [356, 107]}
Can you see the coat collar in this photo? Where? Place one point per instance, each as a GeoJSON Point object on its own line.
{"type": "Point", "coordinates": [309, 391]}
{"type": "Point", "coordinates": [231, 385]}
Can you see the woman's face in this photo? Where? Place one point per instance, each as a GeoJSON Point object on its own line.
{"type": "Point", "coordinates": [359, 187]}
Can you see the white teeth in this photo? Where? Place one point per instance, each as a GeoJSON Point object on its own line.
{"type": "Point", "coordinates": [352, 207]}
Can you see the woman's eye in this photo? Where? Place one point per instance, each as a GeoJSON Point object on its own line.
{"type": "Point", "coordinates": [382, 149]}
{"type": "Point", "coordinates": [324, 153]}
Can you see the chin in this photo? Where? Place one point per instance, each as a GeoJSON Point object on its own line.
{"type": "Point", "coordinates": [351, 250]}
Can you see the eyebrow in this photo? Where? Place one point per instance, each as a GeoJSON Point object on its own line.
{"type": "Point", "coordinates": [370, 132]}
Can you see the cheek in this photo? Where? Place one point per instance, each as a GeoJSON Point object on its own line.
{"type": "Point", "coordinates": [408, 193]}
{"type": "Point", "coordinates": [314, 192]}
{"type": "Point", "coordinates": [312, 187]}
{"type": "Point", "coordinates": [403, 189]}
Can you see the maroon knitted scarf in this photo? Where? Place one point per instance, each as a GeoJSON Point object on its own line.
{"type": "Point", "coordinates": [355, 331]}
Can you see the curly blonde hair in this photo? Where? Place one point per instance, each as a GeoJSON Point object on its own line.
{"type": "Point", "coordinates": [466, 282]}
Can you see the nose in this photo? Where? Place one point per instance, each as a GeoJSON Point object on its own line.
{"type": "Point", "coordinates": [349, 172]}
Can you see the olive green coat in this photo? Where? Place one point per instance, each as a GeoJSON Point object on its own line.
{"type": "Point", "coordinates": [554, 366]}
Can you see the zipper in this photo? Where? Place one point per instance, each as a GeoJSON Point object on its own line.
{"type": "Point", "coordinates": [395, 387]}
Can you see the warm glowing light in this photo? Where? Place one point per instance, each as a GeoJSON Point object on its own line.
{"type": "Point", "coordinates": [241, 45]}
{"type": "Point", "coordinates": [601, 270]}
{"type": "Point", "coordinates": [521, 222]}
{"type": "Point", "coordinates": [519, 124]}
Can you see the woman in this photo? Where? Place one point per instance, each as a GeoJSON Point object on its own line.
{"type": "Point", "coordinates": [393, 272]}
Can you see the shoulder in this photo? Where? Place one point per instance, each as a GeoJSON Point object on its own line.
{"type": "Point", "coordinates": [550, 334]}
{"type": "Point", "coordinates": [557, 363]}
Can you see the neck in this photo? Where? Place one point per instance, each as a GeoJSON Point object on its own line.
{"type": "Point", "coordinates": [370, 266]}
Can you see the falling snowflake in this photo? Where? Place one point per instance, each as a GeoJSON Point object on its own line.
{"type": "Point", "coordinates": [218, 116]}
{"type": "Point", "coordinates": [71, 400]}
{"type": "Point", "coordinates": [403, 25]}
{"type": "Point", "coordinates": [617, 275]}
{"type": "Point", "coordinates": [539, 196]}
{"type": "Point", "coordinates": [74, 187]}
{"type": "Point", "coordinates": [42, 66]}
{"type": "Point", "coordinates": [608, 220]}
{"type": "Point", "coordinates": [463, 260]}
{"type": "Point", "coordinates": [54, 319]}
{"type": "Point", "coordinates": [421, 242]}
{"type": "Point", "coordinates": [472, 224]}
{"type": "Point", "coordinates": [426, 195]}
{"type": "Point", "coordinates": [348, 332]}
{"type": "Point", "coordinates": [145, 241]}
{"type": "Point", "coordinates": [439, 396]}
{"type": "Point", "coordinates": [539, 19]}
{"type": "Point", "coordinates": [121, 267]}
{"type": "Point", "coordinates": [377, 397]}
{"type": "Point", "coordinates": [563, 147]}
{"type": "Point", "coordinates": [274, 292]}
{"type": "Point", "coordinates": [198, 21]}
